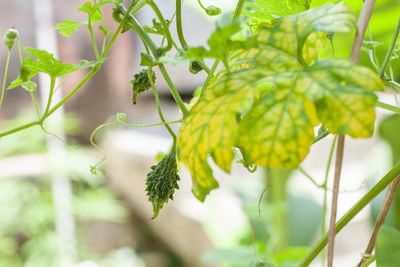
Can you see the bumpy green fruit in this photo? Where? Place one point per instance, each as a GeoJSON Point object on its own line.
{"type": "Point", "coordinates": [141, 83]}
{"type": "Point", "coordinates": [161, 182]}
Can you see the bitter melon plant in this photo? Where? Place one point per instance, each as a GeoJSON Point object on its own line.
{"type": "Point", "coordinates": [270, 93]}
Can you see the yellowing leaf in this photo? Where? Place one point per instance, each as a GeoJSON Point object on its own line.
{"type": "Point", "coordinates": [271, 98]}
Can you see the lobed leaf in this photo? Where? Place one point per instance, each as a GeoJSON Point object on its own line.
{"type": "Point", "coordinates": [68, 27]}
{"type": "Point", "coordinates": [93, 11]}
{"type": "Point", "coordinates": [45, 63]}
{"type": "Point", "coordinates": [270, 98]}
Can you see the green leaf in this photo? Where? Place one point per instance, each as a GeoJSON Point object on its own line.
{"type": "Point", "coordinates": [387, 247]}
{"type": "Point", "coordinates": [266, 10]}
{"type": "Point", "coordinates": [220, 44]}
{"type": "Point", "coordinates": [25, 75]}
{"type": "Point", "coordinates": [46, 63]}
{"type": "Point", "coordinates": [104, 30]}
{"type": "Point", "coordinates": [68, 27]}
{"type": "Point", "coordinates": [29, 86]}
{"type": "Point", "coordinates": [146, 60]}
{"type": "Point", "coordinates": [271, 98]}
{"type": "Point", "coordinates": [93, 11]}
{"type": "Point", "coordinates": [157, 27]}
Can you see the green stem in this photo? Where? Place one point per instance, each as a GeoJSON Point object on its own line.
{"type": "Point", "coordinates": [390, 50]}
{"type": "Point", "coordinates": [160, 114]}
{"type": "Point", "coordinates": [93, 40]}
{"type": "Point", "coordinates": [19, 50]}
{"type": "Point", "coordinates": [20, 128]}
{"type": "Point", "coordinates": [309, 177]}
{"type": "Point", "coordinates": [393, 84]}
{"type": "Point", "coordinates": [150, 44]}
{"type": "Point", "coordinates": [3, 89]}
{"type": "Point", "coordinates": [362, 203]}
{"type": "Point", "coordinates": [370, 260]}
{"type": "Point", "coordinates": [52, 85]}
{"type": "Point", "coordinates": [181, 37]}
{"type": "Point", "coordinates": [103, 45]}
{"type": "Point", "coordinates": [388, 107]}
{"type": "Point", "coordinates": [210, 76]}
{"type": "Point", "coordinates": [72, 92]}
{"type": "Point", "coordinates": [148, 125]}
{"type": "Point", "coordinates": [277, 198]}
{"type": "Point", "coordinates": [94, 168]}
{"type": "Point", "coordinates": [163, 23]}
{"type": "Point", "coordinates": [201, 5]}
{"type": "Point", "coordinates": [119, 29]}
{"type": "Point", "coordinates": [35, 104]}
{"type": "Point", "coordinates": [374, 58]}
{"type": "Point", "coordinates": [147, 41]}
{"type": "Point", "coordinates": [236, 15]}
{"type": "Point", "coordinates": [238, 10]}
{"type": "Point", "coordinates": [173, 90]}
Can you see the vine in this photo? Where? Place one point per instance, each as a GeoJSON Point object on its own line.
{"type": "Point", "coordinates": [260, 106]}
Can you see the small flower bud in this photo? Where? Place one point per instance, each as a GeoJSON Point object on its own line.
{"type": "Point", "coordinates": [195, 67]}
{"type": "Point", "coordinates": [213, 11]}
{"type": "Point", "coordinates": [9, 38]}
{"type": "Point", "coordinates": [121, 116]}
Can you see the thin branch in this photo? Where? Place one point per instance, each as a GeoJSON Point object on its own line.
{"type": "Point", "coordinates": [362, 25]}
{"type": "Point", "coordinates": [363, 21]}
{"type": "Point", "coordinates": [381, 218]}
{"type": "Point", "coordinates": [335, 194]}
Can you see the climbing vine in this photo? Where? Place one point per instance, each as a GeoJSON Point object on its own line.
{"type": "Point", "coordinates": [261, 106]}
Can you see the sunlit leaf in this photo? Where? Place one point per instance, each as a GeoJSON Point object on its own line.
{"type": "Point", "coordinates": [271, 98]}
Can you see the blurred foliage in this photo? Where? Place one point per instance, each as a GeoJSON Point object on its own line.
{"type": "Point", "coordinates": [284, 230]}
{"type": "Point", "coordinates": [381, 28]}
{"type": "Point", "coordinates": [27, 227]}
{"type": "Point", "coordinates": [387, 247]}
{"type": "Point", "coordinates": [389, 129]}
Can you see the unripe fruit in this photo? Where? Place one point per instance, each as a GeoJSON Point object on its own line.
{"type": "Point", "coordinates": [161, 182]}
